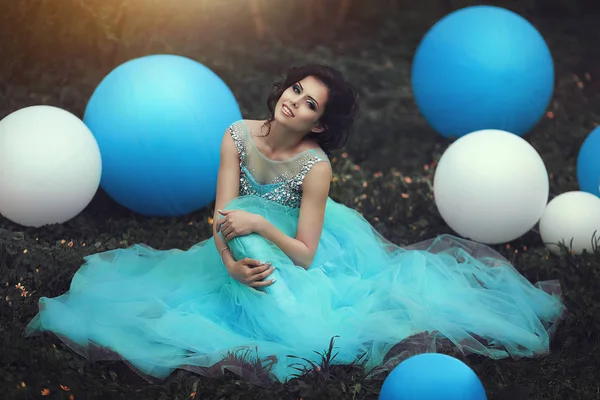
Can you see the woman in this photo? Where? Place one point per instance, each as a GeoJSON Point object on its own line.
{"type": "Point", "coordinates": [288, 269]}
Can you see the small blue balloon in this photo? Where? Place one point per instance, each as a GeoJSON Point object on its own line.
{"type": "Point", "coordinates": [432, 376]}
{"type": "Point", "coordinates": [482, 67]}
{"type": "Point", "coordinates": [159, 121]}
{"type": "Point", "coordinates": [588, 164]}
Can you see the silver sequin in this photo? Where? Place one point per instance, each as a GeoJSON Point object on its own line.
{"type": "Point", "coordinates": [277, 181]}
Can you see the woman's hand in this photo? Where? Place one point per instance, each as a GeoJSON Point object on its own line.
{"type": "Point", "coordinates": [237, 223]}
{"type": "Point", "coordinates": [251, 272]}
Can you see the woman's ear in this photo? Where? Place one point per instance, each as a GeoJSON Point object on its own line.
{"type": "Point", "coordinates": [318, 128]}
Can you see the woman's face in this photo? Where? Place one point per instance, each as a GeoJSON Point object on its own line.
{"type": "Point", "coordinates": [301, 105]}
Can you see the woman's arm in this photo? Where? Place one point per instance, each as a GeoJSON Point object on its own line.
{"type": "Point", "coordinates": [315, 191]}
{"type": "Point", "coordinates": [228, 181]}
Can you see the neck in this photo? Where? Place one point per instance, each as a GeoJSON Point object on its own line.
{"type": "Point", "coordinates": [281, 138]}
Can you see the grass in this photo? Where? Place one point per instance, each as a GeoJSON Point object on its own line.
{"type": "Point", "coordinates": [385, 173]}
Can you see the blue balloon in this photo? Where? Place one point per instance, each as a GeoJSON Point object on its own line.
{"type": "Point", "coordinates": [588, 164]}
{"type": "Point", "coordinates": [159, 121]}
{"type": "Point", "coordinates": [432, 376]}
{"type": "Point", "coordinates": [482, 67]}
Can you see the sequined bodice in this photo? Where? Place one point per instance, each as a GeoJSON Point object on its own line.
{"type": "Point", "coordinates": [278, 181]}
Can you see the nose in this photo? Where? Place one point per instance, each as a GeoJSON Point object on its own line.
{"type": "Point", "coordinates": [294, 101]}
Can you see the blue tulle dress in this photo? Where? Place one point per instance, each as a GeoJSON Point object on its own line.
{"type": "Point", "coordinates": [163, 310]}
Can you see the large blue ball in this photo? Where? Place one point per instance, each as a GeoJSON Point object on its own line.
{"type": "Point", "coordinates": [482, 67]}
{"type": "Point", "coordinates": [432, 376]}
{"type": "Point", "coordinates": [159, 121]}
{"type": "Point", "coordinates": [588, 164]}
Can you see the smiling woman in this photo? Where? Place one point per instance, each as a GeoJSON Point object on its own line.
{"type": "Point", "coordinates": [322, 106]}
{"type": "Point", "coordinates": [288, 269]}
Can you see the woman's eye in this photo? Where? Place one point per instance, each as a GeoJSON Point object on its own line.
{"type": "Point", "coordinates": [296, 88]}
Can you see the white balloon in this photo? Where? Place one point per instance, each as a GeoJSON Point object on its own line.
{"type": "Point", "coordinates": [50, 166]}
{"type": "Point", "coordinates": [573, 219]}
{"type": "Point", "coordinates": [491, 186]}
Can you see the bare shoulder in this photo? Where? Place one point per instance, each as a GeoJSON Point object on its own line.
{"type": "Point", "coordinates": [321, 168]}
{"type": "Point", "coordinates": [319, 175]}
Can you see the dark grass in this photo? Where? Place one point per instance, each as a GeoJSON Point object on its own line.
{"type": "Point", "coordinates": [385, 173]}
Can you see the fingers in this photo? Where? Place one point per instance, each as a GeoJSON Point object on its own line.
{"type": "Point", "coordinates": [228, 235]}
{"type": "Point", "coordinates": [252, 262]}
{"type": "Point", "coordinates": [264, 274]}
{"type": "Point", "coordinates": [231, 236]}
{"type": "Point", "coordinates": [220, 223]}
{"type": "Point", "coordinates": [226, 230]}
{"type": "Point", "coordinates": [260, 269]}
{"type": "Point", "coordinates": [259, 273]}
{"type": "Point", "coordinates": [259, 284]}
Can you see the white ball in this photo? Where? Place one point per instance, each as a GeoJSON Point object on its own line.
{"type": "Point", "coordinates": [491, 186]}
{"type": "Point", "coordinates": [50, 166]}
{"type": "Point", "coordinates": [572, 216]}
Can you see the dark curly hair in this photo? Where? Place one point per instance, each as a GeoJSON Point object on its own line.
{"type": "Point", "coordinates": [341, 108]}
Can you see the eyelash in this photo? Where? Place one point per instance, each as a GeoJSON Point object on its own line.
{"type": "Point", "coordinates": [311, 104]}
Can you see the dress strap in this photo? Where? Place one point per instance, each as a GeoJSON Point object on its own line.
{"type": "Point", "coordinates": [320, 154]}
{"type": "Point", "coordinates": [239, 133]}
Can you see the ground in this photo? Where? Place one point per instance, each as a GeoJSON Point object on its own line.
{"type": "Point", "coordinates": [57, 53]}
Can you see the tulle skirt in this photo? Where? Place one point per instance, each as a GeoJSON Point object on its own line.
{"type": "Point", "coordinates": [162, 310]}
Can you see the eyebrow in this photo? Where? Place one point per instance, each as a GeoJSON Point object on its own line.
{"type": "Point", "coordinates": [312, 98]}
